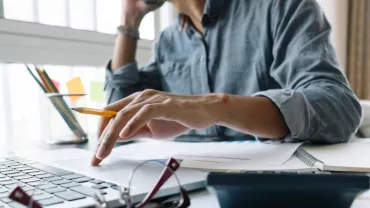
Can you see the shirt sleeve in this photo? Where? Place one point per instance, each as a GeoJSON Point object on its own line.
{"type": "Point", "coordinates": [129, 79]}
{"type": "Point", "coordinates": [315, 100]}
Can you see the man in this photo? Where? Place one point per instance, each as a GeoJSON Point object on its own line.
{"type": "Point", "coordinates": [264, 68]}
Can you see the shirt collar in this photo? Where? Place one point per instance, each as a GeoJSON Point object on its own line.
{"type": "Point", "coordinates": [212, 10]}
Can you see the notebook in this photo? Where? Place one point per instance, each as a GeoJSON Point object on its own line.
{"type": "Point", "coordinates": [348, 157]}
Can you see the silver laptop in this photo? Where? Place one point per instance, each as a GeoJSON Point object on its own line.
{"type": "Point", "coordinates": [64, 178]}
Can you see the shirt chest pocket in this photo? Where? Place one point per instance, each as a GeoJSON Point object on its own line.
{"type": "Point", "coordinates": [175, 77]}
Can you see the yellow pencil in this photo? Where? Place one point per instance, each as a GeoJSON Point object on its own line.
{"type": "Point", "coordinates": [98, 112]}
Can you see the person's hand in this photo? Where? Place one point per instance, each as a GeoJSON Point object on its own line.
{"type": "Point", "coordinates": [133, 11]}
{"type": "Point", "coordinates": [156, 115]}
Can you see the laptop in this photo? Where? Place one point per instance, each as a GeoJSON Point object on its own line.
{"type": "Point", "coordinates": [64, 178]}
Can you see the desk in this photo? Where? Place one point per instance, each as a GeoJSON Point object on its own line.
{"type": "Point", "coordinates": [198, 199]}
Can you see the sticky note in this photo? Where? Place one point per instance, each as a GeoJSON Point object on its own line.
{"type": "Point", "coordinates": [97, 91]}
{"type": "Point", "coordinates": [56, 84]}
{"type": "Point", "coordinates": [75, 86]}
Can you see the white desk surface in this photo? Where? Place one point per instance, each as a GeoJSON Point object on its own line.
{"type": "Point", "coordinates": [203, 199]}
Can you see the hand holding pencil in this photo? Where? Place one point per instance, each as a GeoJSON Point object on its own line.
{"type": "Point", "coordinates": [151, 114]}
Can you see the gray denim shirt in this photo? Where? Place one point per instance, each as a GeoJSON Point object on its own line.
{"type": "Point", "coordinates": [279, 49]}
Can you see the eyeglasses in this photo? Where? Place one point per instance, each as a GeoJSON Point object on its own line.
{"type": "Point", "coordinates": [125, 198]}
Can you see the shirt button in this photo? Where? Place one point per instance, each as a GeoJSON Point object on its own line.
{"type": "Point", "coordinates": [201, 58]}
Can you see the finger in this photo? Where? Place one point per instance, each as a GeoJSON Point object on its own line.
{"type": "Point", "coordinates": [129, 111]}
{"type": "Point", "coordinates": [147, 96]}
{"type": "Point", "coordinates": [142, 117]}
{"type": "Point", "coordinates": [112, 134]}
{"type": "Point", "coordinates": [96, 161]}
{"type": "Point", "coordinates": [163, 129]}
{"type": "Point", "coordinates": [116, 106]}
{"type": "Point", "coordinates": [143, 132]}
{"type": "Point", "coordinates": [121, 119]}
{"type": "Point", "coordinates": [102, 125]}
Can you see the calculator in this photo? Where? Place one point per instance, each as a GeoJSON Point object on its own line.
{"type": "Point", "coordinates": [287, 189]}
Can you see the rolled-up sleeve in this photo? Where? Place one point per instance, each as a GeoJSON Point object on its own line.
{"type": "Point", "coordinates": [129, 79]}
{"type": "Point", "coordinates": [315, 100]}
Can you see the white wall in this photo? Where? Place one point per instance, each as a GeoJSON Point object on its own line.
{"type": "Point", "coordinates": [336, 12]}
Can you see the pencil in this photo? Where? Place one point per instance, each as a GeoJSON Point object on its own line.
{"type": "Point", "coordinates": [50, 82]}
{"type": "Point", "coordinates": [98, 112]}
{"type": "Point", "coordinates": [37, 80]}
{"type": "Point", "coordinates": [48, 89]}
{"type": "Point", "coordinates": [60, 105]}
{"type": "Point", "coordinates": [57, 101]}
{"type": "Point", "coordinates": [64, 106]}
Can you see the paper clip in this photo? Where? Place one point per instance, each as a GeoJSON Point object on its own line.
{"type": "Point", "coordinates": [170, 168]}
{"type": "Point", "coordinates": [20, 196]}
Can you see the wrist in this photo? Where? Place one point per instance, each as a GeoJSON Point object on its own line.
{"type": "Point", "coordinates": [131, 20]}
{"type": "Point", "coordinates": [217, 107]}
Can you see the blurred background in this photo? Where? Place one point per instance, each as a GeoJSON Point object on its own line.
{"type": "Point", "coordinates": [74, 38]}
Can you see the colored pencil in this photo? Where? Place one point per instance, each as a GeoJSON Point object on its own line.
{"type": "Point", "coordinates": [63, 111]}
{"type": "Point", "coordinates": [37, 80]}
{"type": "Point", "coordinates": [65, 106]}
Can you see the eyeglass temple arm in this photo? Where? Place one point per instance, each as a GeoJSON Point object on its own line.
{"type": "Point", "coordinates": [166, 174]}
{"type": "Point", "coordinates": [20, 196]}
{"type": "Point", "coordinates": [185, 201]}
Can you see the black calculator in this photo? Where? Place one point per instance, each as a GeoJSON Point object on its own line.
{"type": "Point", "coordinates": [287, 189]}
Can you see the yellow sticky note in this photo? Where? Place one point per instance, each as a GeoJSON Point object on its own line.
{"type": "Point", "coordinates": [97, 91]}
{"type": "Point", "coordinates": [75, 86]}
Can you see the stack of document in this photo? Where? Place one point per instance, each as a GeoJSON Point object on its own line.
{"type": "Point", "coordinates": [217, 155]}
{"type": "Point", "coordinates": [254, 156]}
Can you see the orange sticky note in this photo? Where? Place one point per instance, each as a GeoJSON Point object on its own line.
{"type": "Point", "coordinates": [75, 86]}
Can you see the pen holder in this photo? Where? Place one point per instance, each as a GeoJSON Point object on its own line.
{"type": "Point", "coordinates": [65, 126]}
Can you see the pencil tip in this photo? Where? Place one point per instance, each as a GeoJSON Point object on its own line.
{"type": "Point", "coordinates": [75, 109]}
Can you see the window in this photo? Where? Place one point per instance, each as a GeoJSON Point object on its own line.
{"type": "Point", "coordinates": [95, 15]}
{"type": "Point", "coordinates": [68, 38]}
{"type": "Point", "coordinates": [16, 12]}
{"type": "Point", "coordinates": [51, 12]}
{"type": "Point", "coordinates": [81, 15]}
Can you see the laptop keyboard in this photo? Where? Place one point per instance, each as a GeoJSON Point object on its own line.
{"type": "Point", "coordinates": [48, 185]}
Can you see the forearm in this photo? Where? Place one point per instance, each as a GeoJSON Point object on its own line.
{"type": "Point", "coordinates": [125, 46]}
{"type": "Point", "coordinates": [123, 77]}
{"type": "Point", "coordinates": [252, 115]}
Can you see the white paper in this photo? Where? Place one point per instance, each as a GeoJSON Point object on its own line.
{"type": "Point", "coordinates": [293, 164]}
{"type": "Point", "coordinates": [354, 154]}
{"type": "Point", "coordinates": [252, 153]}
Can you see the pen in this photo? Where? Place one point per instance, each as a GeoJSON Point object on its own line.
{"type": "Point", "coordinates": [98, 112]}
